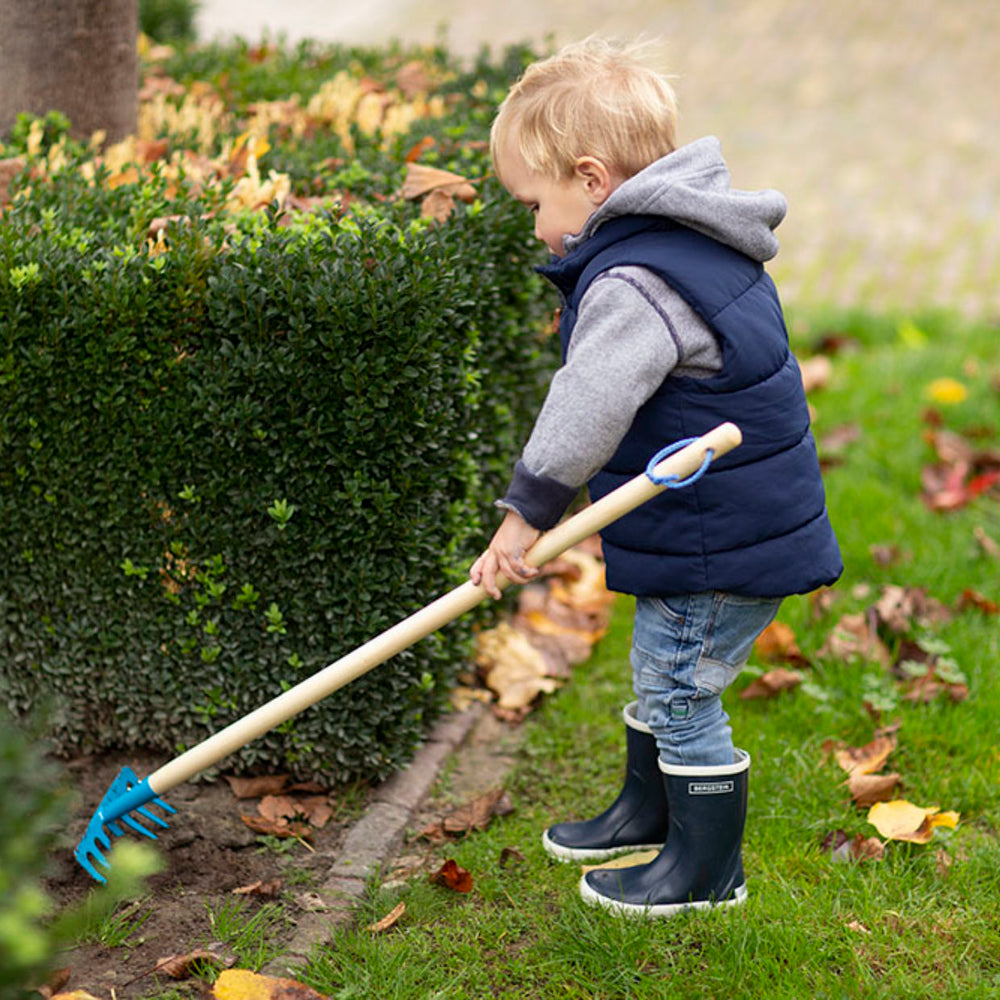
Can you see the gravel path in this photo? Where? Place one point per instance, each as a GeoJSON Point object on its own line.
{"type": "Point", "coordinates": [879, 121]}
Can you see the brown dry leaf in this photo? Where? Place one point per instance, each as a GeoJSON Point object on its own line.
{"type": "Point", "coordinates": [511, 856]}
{"type": "Point", "coordinates": [514, 669]}
{"type": "Point", "coordinates": [902, 820]}
{"type": "Point", "coordinates": [438, 205]}
{"type": "Point", "coordinates": [776, 644]}
{"type": "Point", "coordinates": [75, 995]}
{"type": "Point", "coordinates": [278, 808]}
{"type": "Point", "coordinates": [973, 599]}
{"type": "Point", "coordinates": [836, 441]}
{"type": "Point", "coordinates": [56, 981]}
{"type": "Point", "coordinates": [867, 789]}
{"type": "Point", "coordinates": [242, 984]}
{"type": "Point", "coordinates": [268, 889]}
{"type": "Point", "coordinates": [255, 788]}
{"type": "Point", "coordinates": [179, 966]}
{"type": "Point", "coordinates": [772, 683]}
{"type": "Point", "coordinates": [414, 78]}
{"type": "Point", "coordinates": [389, 920]}
{"type": "Point", "coordinates": [421, 180]}
{"type": "Point", "coordinates": [451, 876]}
{"type": "Point", "coordinates": [885, 555]}
{"type": "Point", "coordinates": [854, 636]}
{"type": "Point", "coordinates": [857, 926]}
{"type": "Point", "coordinates": [841, 847]}
{"type": "Point", "coordinates": [944, 862]}
{"type": "Point", "coordinates": [582, 587]}
{"type": "Point", "coordinates": [270, 828]}
{"type": "Point", "coordinates": [900, 608]}
{"type": "Point", "coordinates": [474, 815]}
{"type": "Point", "coordinates": [867, 759]}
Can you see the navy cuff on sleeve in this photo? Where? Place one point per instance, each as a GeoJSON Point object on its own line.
{"type": "Point", "coordinates": [541, 501]}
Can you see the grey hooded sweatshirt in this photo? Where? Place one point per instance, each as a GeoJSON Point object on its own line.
{"type": "Point", "coordinates": [632, 329]}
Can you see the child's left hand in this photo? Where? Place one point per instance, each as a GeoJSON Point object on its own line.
{"type": "Point", "coordinates": [506, 555]}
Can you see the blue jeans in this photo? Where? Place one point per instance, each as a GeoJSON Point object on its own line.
{"type": "Point", "coordinates": [685, 652]}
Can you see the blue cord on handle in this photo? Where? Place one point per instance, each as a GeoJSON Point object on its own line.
{"type": "Point", "coordinates": [671, 481]}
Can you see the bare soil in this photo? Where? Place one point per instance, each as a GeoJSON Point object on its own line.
{"type": "Point", "coordinates": [208, 852]}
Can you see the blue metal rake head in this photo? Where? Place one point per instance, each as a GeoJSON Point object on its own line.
{"type": "Point", "coordinates": [126, 795]}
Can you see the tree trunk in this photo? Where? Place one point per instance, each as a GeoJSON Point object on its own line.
{"type": "Point", "coordinates": [74, 56]}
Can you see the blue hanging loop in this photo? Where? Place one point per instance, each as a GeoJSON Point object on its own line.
{"type": "Point", "coordinates": [671, 481]}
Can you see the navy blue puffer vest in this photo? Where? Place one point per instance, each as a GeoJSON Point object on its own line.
{"type": "Point", "coordinates": [755, 524]}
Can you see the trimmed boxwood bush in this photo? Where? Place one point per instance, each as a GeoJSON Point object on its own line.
{"type": "Point", "coordinates": [236, 451]}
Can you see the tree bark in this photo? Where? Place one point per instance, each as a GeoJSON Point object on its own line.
{"type": "Point", "coordinates": [74, 56]}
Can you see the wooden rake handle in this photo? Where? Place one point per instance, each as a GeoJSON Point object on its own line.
{"type": "Point", "coordinates": [445, 609]}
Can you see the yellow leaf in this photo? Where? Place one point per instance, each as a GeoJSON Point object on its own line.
{"type": "Point", "coordinates": [623, 861]}
{"type": "Point", "coordinates": [902, 820]}
{"type": "Point", "coordinates": [947, 391]}
{"type": "Point", "coordinates": [241, 984]}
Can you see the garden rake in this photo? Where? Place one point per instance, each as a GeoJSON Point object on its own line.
{"type": "Point", "coordinates": [127, 800]}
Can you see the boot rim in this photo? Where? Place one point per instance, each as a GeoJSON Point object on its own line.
{"type": "Point", "coordinates": [628, 714]}
{"type": "Point", "coordinates": [739, 765]}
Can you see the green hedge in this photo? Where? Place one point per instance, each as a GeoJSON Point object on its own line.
{"type": "Point", "coordinates": [229, 458]}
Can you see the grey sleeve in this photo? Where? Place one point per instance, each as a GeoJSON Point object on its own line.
{"type": "Point", "coordinates": [632, 331]}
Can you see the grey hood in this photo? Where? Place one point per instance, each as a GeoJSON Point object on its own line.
{"type": "Point", "coordinates": [691, 186]}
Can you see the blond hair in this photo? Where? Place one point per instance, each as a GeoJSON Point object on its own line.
{"type": "Point", "coordinates": [593, 98]}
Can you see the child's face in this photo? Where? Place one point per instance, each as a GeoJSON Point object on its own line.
{"type": "Point", "coordinates": [560, 207]}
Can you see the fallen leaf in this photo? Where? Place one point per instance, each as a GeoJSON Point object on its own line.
{"type": "Point", "coordinates": [900, 608]}
{"type": "Point", "coordinates": [268, 889]}
{"type": "Point", "coordinates": [841, 847]}
{"type": "Point", "coordinates": [389, 920]}
{"type": "Point", "coordinates": [180, 966]}
{"type": "Point", "coordinates": [866, 759]}
{"type": "Point", "coordinates": [273, 829]}
{"type": "Point", "coordinates": [856, 925]}
{"type": "Point", "coordinates": [514, 669]}
{"type": "Point", "coordinates": [255, 788]}
{"type": "Point", "coordinates": [902, 820]}
{"type": "Point", "coordinates": [241, 984]}
{"type": "Point", "coordinates": [973, 599]}
{"type": "Point", "coordinates": [452, 877]}
{"type": "Point", "coordinates": [772, 683]}
{"type": "Point", "coordinates": [867, 789]}
{"type": "Point", "coordinates": [474, 815]}
{"type": "Point", "coordinates": [623, 861]}
{"type": "Point", "coordinates": [854, 636]}
{"type": "Point", "coordinates": [776, 644]}
{"type": "Point", "coordinates": [57, 979]}
{"type": "Point", "coordinates": [988, 545]}
{"type": "Point", "coordinates": [511, 856]}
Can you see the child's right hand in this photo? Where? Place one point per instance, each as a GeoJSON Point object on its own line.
{"type": "Point", "coordinates": [506, 555]}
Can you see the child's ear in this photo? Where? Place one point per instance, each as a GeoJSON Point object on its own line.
{"type": "Point", "coordinates": [598, 180]}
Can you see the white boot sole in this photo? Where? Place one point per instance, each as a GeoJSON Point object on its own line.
{"type": "Point", "coordinates": [580, 855]}
{"type": "Point", "coordinates": [594, 898]}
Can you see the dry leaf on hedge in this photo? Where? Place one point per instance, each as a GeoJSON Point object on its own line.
{"type": "Point", "coordinates": [242, 984]}
{"type": "Point", "coordinates": [867, 789]}
{"type": "Point", "coordinates": [451, 876]}
{"type": "Point", "coordinates": [421, 180]}
{"type": "Point", "coordinates": [772, 683]}
{"type": "Point", "coordinates": [902, 820]}
{"type": "Point", "coordinates": [389, 920]}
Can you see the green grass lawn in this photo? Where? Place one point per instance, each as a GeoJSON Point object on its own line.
{"type": "Point", "coordinates": [923, 922]}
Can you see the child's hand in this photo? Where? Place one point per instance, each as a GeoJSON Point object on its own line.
{"type": "Point", "coordinates": [506, 555]}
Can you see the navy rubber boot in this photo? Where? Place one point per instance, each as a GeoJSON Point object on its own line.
{"type": "Point", "coordinates": [635, 821]}
{"type": "Point", "coordinates": [701, 863]}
